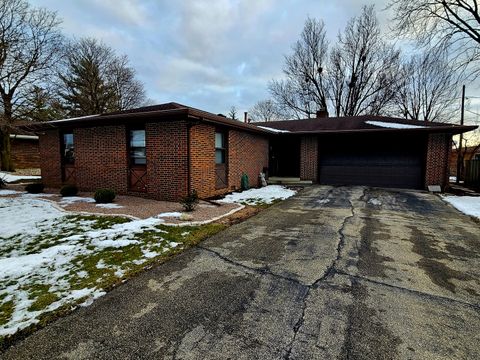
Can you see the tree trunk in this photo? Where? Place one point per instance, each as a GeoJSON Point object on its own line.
{"type": "Point", "coordinates": [6, 163]}
{"type": "Point", "coordinates": [5, 158]}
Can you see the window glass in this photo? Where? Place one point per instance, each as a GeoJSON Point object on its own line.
{"type": "Point", "coordinates": [219, 156]}
{"type": "Point", "coordinates": [137, 138]}
{"type": "Point", "coordinates": [137, 147]}
{"type": "Point", "coordinates": [219, 148]}
{"type": "Point", "coordinates": [68, 149]}
{"type": "Point", "coordinates": [219, 140]}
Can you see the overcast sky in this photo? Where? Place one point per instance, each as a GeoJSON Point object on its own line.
{"type": "Point", "coordinates": [209, 54]}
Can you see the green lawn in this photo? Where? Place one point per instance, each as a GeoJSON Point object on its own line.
{"type": "Point", "coordinates": [50, 265]}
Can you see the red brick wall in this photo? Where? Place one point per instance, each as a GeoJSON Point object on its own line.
{"type": "Point", "coordinates": [167, 160]}
{"type": "Point", "coordinates": [25, 153]}
{"type": "Point", "coordinates": [202, 160]}
{"type": "Point", "coordinates": [247, 153]}
{"type": "Point", "coordinates": [309, 158]}
{"type": "Point", "coordinates": [436, 169]}
{"type": "Point", "coordinates": [50, 163]}
{"type": "Point", "coordinates": [101, 158]}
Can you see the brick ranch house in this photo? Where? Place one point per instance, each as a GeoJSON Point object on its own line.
{"type": "Point", "coordinates": [167, 150]}
{"type": "Point", "coordinates": [25, 150]}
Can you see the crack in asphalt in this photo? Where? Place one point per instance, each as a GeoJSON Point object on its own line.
{"type": "Point", "coordinates": [262, 270]}
{"type": "Point", "coordinates": [434, 297]}
{"type": "Point", "coordinates": [328, 274]}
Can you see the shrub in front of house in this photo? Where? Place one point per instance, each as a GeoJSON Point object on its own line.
{"type": "Point", "coordinates": [104, 196]}
{"type": "Point", "coordinates": [34, 188]}
{"type": "Point", "coordinates": [190, 201]}
{"type": "Point", "coordinates": [68, 190]}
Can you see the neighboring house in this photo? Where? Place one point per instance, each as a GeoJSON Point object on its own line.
{"type": "Point", "coordinates": [470, 153]}
{"type": "Point", "coordinates": [165, 151]}
{"type": "Point", "coordinates": [24, 151]}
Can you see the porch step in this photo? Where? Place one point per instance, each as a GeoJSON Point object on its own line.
{"type": "Point", "coordinates": [276, 180]}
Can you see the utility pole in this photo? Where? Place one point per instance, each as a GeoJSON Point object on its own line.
{"type": "Point", "coordinates": [460, 155]}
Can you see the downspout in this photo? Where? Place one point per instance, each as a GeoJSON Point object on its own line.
{"type": "Point", "coordinates": [189, 182]}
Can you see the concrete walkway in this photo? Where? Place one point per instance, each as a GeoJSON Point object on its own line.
{"type": "Point", "coordinates": [346, 272]}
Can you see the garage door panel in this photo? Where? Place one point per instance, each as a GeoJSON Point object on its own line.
{"type": "Point", "coordinates": [396, 163]}
{"type": "Point", "coordinates": [400, 176]}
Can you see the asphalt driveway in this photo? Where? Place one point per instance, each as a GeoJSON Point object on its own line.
{"type": "Point", "coordinates": [334, 272]}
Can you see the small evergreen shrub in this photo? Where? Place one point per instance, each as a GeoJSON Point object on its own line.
{"type": "Point", "coordinates": [68, 190]}
{"type": "Point", "coordinates": [34, 188]}
{"type": "Point", "coordinates": [104, 196]}
{"type": "Point", "coordinates": [3, 183]}
{"type": "Point", "coordinates": [190, 201]}
{"type": "Point", "coordinates": [244, 182]}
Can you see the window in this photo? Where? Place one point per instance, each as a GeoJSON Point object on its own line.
{"type": "Point", "coordinates": [220, 148]}
{"type": "Point", "coordinates": [137, 147]}
{"type": "Point", "coordinates": [68, 152]}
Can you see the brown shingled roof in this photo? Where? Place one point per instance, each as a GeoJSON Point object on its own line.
{"type": "Point", "coordinates": [360, 123]}
{"type": "Point", "coordinates": [148, 113]}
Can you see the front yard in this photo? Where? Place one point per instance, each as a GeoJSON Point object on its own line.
{"type": "Point", "coordinates": [52, 261]}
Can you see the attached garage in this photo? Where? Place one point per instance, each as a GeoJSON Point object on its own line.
{"type": "Point", "coordinates": [372, 160]}
{"type": "Point", "coordinates": [363, 150]}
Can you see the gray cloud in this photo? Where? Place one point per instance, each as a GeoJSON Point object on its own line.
{"type": "Point", "coordinates": [204, 53]}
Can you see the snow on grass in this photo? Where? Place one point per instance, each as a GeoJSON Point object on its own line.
{"type": "Point", "coordinates": [469, 205]}
{"type": "Point", "coordinates": [50, 259]}
{"type": "Point", "coordinates": [109, 206]}
{"type": "Point", "coordinates": [68, 200]}
{"type": "Point", "coordinates": [4, 192]}
{"type": "Point", "coordinates": [392, 125]}
{"type": "Point", "coordinates": [9, 178]}
{"type": "Point", "coordinates": [264, 195]}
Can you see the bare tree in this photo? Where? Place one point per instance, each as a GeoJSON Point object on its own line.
{"type": "Point", "coordinates": [428, 89]}
{"type": "Point", "coordinates": [453, 24]}
{"type": "Point", "coordinates": [129, 91]}
{"type": "Point", "coordinates": [232, 114]}
{"type": "Point", "coordinates": [363, 70]}
{"type": "Point", "coordinates": [267, 110]}
{"type": "Point", "coordinates": [29, 44]}
{"type": "Point", "coordinates": [95, 80]}
{"type": "Point", "coordinates": [303, 91]}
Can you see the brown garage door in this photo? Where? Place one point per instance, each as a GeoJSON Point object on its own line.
{"type": "Point", "coordinates": [383, 162]}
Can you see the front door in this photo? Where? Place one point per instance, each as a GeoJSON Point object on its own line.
{"type": "Point", "coordinates": [137, 172]}
{"type": "Point", "coordinates": [68, 159]}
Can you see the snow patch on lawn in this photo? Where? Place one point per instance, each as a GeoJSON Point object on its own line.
{"type": "Point", "coordinates": [109, 206]}
{"type": "Point", "coordinates": [8, 177]}
{"type": "Point", "coordinates": [42, 245]}
{"type": "Point", "coordinates": [393, 125]}
{"type": "Point", "coordinates": [266, 195]}
{"type": "Point", "coordinates": [68, 200]}
{"type": "Point", "coordinates": [27, 217]}
{"type": "Point", "coordinates": [469, 205]}
{"type": "Point", "coordinates": [4, 192]}
{"type": "Point", "coordinates": [35, 196]}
